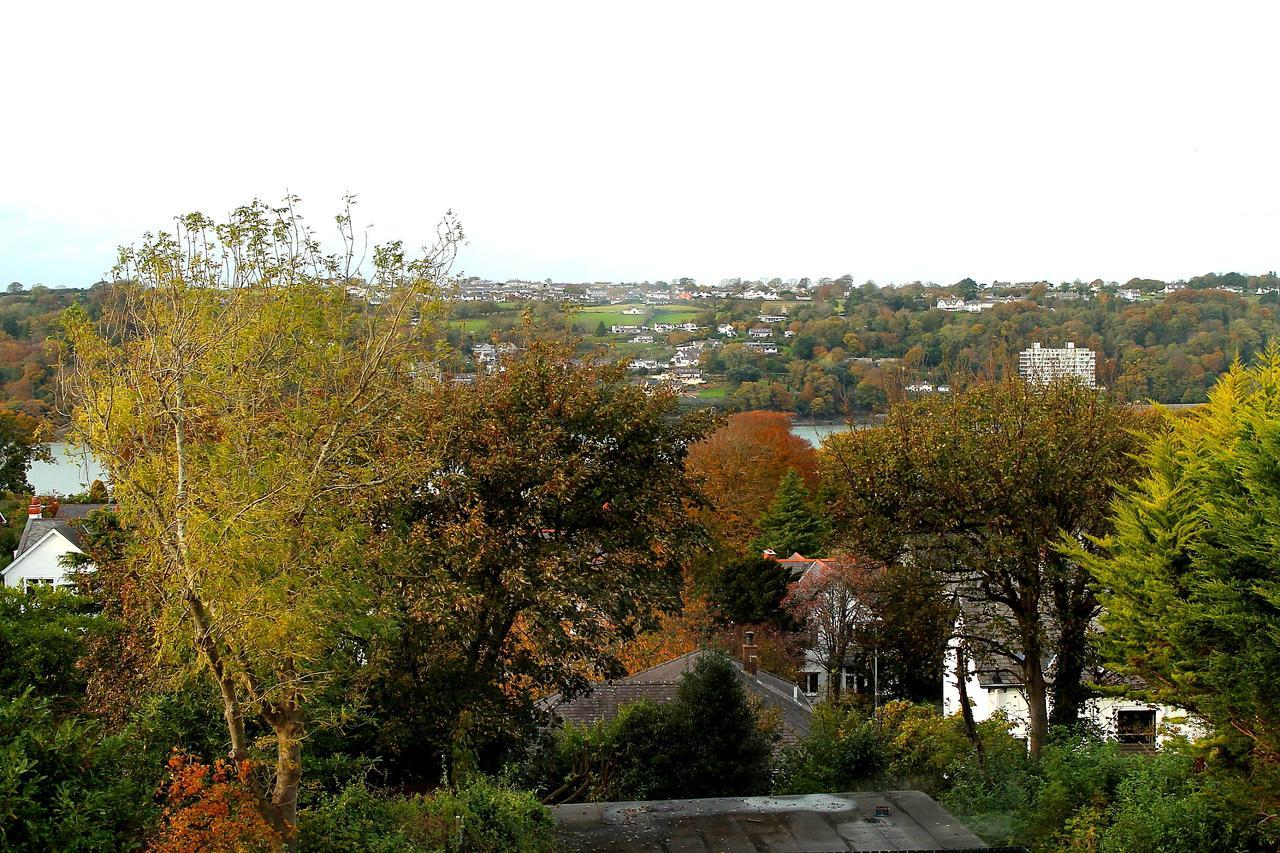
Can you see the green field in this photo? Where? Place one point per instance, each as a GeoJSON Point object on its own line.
{"type": "Point", "coordinates": [477, 324]}
{"type": "Point", "coordinates": [589, 317]}
{"type": "Point", "coordinates": [612, 315]}
{"type": "Point", "coordinates": [713, 393]}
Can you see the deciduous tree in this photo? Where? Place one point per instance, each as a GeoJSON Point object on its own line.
{"type": "Point", "coordinates": [982, 486]}
{"type": "Point", "coordinates": [554, 527]}
{"type": "Point", "coordinates": [739, 467]}
{"type": "Point", "coordinates": [22, 440]}
{"type": "Point", "coordinates": [243, 389]}
{"type": "Point", "coordinates": [831, 601]}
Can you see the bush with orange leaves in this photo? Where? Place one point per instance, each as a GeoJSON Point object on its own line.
{"type": "Point", "coordinates": [212, 809]}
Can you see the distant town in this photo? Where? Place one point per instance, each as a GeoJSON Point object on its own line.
{"type": "Point", "coordinates": [835, 348]}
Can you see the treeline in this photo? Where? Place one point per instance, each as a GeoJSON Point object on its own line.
{"type": "Point", "coordinates": [852, 348]}
{"type": "Point", "coordinates": [29, 319]}
{"type": "Point", "coordinates": [1170, 350]}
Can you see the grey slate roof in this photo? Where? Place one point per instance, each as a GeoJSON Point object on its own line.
{"type": "Point", "coordinates": [914, 821]}
{"type": "Point", "coordinates": [68, 522]}
{"type": "Point", "coordinates": [73, 511]}
{"type": "Point", "coordinates": [658, 684]}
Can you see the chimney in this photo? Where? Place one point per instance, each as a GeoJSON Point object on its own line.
{"type": "Point", "coordinates": [36, 509]}
{"type": "Point", "coordinates": [749, 653]}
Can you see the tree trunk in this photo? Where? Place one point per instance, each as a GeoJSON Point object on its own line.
{"type": "Point", "coordinates": [208, 646]}
{"type": "Point", "coordinates": [287, 724]}
{"type": "Point", "coordinates": [1037, 700]}
{"type": "Point", "coordinates": [1075, 605]}
{"type": "Point", "coordinates": [966, 710]}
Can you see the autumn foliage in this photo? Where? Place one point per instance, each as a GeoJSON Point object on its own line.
{"type": "Point", "coordinates": [739, 467]}
{"type": "Point", "coordinates": [212, 809]}
{"type": "Point", "coordinates": [677, 634]}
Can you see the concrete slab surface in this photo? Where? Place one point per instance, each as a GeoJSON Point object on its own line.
{"type": "Point", "coordinates": [867, 821]}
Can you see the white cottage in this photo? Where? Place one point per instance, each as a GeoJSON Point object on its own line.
{"type": "Point", "coordinates": [993, 683]}
{"type": "Point", "coordinates": [38, 558]}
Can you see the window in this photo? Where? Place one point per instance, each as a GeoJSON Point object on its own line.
{"type": "Point", "coordinates": [30, 582]}
{"type": "Point", "coordinates": [850, 679]}
{"type": "Point", "coordinates": [1136, 727]}
{"type": "Point", "coordinates": [809, 682]}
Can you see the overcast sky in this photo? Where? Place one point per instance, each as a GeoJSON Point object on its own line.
{"type": "Point", "coordinates": [608, 141]}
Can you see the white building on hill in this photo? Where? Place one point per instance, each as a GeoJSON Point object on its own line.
{"type": "Point", "coordinates": [1043, 365]}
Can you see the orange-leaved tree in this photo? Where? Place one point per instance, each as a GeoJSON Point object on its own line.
{"type": "Point", "coordinates": [739, 466]}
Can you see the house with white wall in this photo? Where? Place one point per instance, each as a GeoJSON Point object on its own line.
{"type": "Point", "coordinates": [836, 617]}
{"type": "Point", "coordinates": [993, 683]}
{"type": "Point", "coordinates": [37, 561]}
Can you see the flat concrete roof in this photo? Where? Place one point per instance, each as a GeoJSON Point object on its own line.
{"type": "Point", "coordinates": [878, 820]}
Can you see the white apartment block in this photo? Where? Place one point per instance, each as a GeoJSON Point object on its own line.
{"type": "Point", "coordinates": [1043, 365]}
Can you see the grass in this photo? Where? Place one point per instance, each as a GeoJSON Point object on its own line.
{"type": "Point", "coordinates": [476, 324]}
{"type": "Point", "coordinates": [612, 315]}
{"type": "Point", "coordinates": [588, 317]}
{"type": "Point", "coordinates": [713, 393]}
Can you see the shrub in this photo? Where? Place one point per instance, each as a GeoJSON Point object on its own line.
{"type": "Point", "coordinates": [484, 818]}
{"type": "Point", "coordinates": [353, 820]}
{"type": "Point", "coordinates": [708, 742]}
{"type": "Point", "coordinates": [42, 637]}
{"type": "Point", "coordinates": [65, 786]}
{"type": "Point", "coordinates": [992, 791]}
{"type": "Point", "coordinates": [922, 747]}
{"type": "Point", "coordinates": [1076, 771]}
{"type": "Point", "coordinates": [842, 752]}
{"type": "Point", "coordinates": [211, 808]}
{"type": "Point", "coordinates": [480, 816]}
{"type": "Point", "coordinates": [1160, 806]}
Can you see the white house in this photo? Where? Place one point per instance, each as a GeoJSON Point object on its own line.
{"type": "Point", "coordinates": [835, 616]}
{"type": "Point", "coordinates": [994, 683]}
{"type": "Point", "coordinates": [38, 558]}
{"type": "Point", "coordinates": [634, 312]}
{"type": "Point", "coordinates": [727, 330]}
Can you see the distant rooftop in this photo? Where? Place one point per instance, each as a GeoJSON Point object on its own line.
{"type": "Point", "coordinates": [888, 820]}
{"type": "Point", "coordinates": [68, 522]}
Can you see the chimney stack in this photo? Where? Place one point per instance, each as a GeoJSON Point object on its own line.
{"type": "Point", "coordinates": [36, 509]}
{"type": "Point", "coordinates": [749, 653]}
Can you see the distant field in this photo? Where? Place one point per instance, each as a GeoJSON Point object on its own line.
{"type": "Point", "coordinates": [713, 393]}
{"type": "Point", "coordinates": [612, 314]}
{"type": "Point", "coordinates": [476, 324]}
{"type": "Point", "coordinates": [587, 317]}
